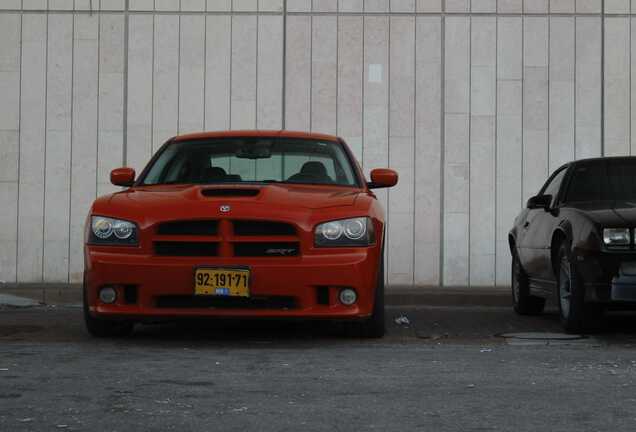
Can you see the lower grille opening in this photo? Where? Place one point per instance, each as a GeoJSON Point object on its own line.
{"type": "Point", "coordinates": [169, 248]}
{"type": "Point", "coordinates": [266, 249]}
{"type": "Point", "coordinates": [322, 295]}
{"type": "Point", "coordinates": [257, 302]}
{"type": "Point", "coordinates": [130, 294]}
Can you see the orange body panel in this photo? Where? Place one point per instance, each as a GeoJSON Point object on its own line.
{"type": "Point", "coordinates": [299, 277]}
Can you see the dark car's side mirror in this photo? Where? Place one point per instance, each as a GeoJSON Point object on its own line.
{"type": "Point", "coordinates": [122, 176]}
{"type": "Point", "coordinates": [540, 201]}
{"type": "Point", "coordinates": [382, 178]}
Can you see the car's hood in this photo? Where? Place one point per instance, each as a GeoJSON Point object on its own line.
{"type": "Point", "coordinates": [278, 196]}
{"type": "Point", "coordinates": [609, 213]}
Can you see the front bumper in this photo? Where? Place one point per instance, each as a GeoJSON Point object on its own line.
{"type": "Point", "coordinates": [609, 277]}
{"type": "Point", "coordinates": [300, 278]}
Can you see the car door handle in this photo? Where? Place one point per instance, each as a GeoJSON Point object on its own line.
{"type": "Point", "coordinates": [526, 224]}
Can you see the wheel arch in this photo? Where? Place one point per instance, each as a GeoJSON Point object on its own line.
{"type": "Point", "coordinates": [562, 232]}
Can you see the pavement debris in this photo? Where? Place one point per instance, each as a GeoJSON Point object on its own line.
{"type": "Point", "coordinates": [402, 320]}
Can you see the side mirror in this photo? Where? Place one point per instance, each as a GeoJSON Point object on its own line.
{"type": "Point", "coordinates": [122, 177]}
{"type": "Point", "coordinates": [540, 201]}
{"type": "Point", "coordinates": [382, 178]}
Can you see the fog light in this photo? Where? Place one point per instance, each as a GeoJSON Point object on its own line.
{"type": "Point", "coordinates": [108, 295]}
{"type": "Point", "coordinates": [348, 296]}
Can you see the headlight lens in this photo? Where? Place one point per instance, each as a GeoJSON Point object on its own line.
{"type": "Point", "coordinates": [345, 232]}
{"type": "Point", "coordinates": [617, 237]}
{"type": "Point", "coordinates": [105, 230]}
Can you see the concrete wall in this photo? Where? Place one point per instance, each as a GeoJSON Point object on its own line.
{"type": "Point", "coordinates": [474, 105]}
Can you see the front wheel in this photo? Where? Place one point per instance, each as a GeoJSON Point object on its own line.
{"type": "Point", "coordinates": [374, 327]}
{"type": "Point", "coordinates": [576, 315]}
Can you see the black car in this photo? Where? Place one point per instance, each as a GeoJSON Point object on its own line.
{"type": "Point", "coordinates": [575, 240]}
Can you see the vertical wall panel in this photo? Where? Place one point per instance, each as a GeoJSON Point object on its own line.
{"type": "Point", "coordinates": [456, 149]}
{"type": "Point", "coordinates": [58, 147]}
{"type": "Point", "coordinates": [165, 109]}
{"type": "Point", "coordinates": [298, 76]}
{"type": "Point", "coordinates": [401, 148]}
{"type": "Point", "coordinates": [243, 110]}
{"type": "Point", "coordinates": [270, 73]}
{"type": "Point", "coordinates": [509, 137]}
{"type": "Point", "coordinates": [376, 98]}
{"type": "Point", "coordinates": [84, 135]}
{"type": "Point", "coordinates": [324, 74]}
{"type": "Point", "coordinates": [140, 67]}
{"type": "Point", "coordinates": [10, 34]}
{"type": "Point", "coordinates": [218, 45]}
{"type": "Point", "coordinates": [32, 141]}
{"type": "Point", "coordinates": [561, 91]}
{"type": "Point", "coordinates": [588, 87]}
{"type": "Point", "coordinates": [535, 104]}
{"type": "Point", "coordinates": [427, 194]}
{"type": "Point", "coordinates": [483, 97]}
{"type": "Point", "coordinates": [350, 82]}
{"type": "Point", "coordinates": [617, 86]}
{"type": "Point", "coordinates": [191, 73]}
{"type": "Point", "coordinates": [111, 100]}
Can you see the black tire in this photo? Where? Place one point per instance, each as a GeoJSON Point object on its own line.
{"type": "Point", "coordinates": [105, 328]}
{"type": "Point", "coordinates": [374, 327]}
{"type": "Point", "coordinates": [522, 301]}
{"type": "Point", "coordinates": [576, 315]}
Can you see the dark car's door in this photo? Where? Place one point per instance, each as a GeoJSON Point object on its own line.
{"type": "Point", "coordinates": [537, 231]}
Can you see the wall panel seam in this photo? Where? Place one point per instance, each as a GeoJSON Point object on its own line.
{"type": "Point", "coordinates": [17, 209]}
{"type": "Point", "coordinates": [70, 165]}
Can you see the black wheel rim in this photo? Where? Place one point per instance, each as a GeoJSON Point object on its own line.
{"type": "Point", "coordinates": [565, 286]}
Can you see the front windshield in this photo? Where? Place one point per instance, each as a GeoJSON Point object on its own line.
{"type": "Point", "coordinates": [252, 160]}
{"type": "Point", "coordinates": [610, 180]}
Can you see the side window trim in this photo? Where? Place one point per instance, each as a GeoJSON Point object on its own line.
{"type": "Point", "coordinates": [556, 199]}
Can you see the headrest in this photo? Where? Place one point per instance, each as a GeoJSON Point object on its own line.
{"type": "Point", "coordinates": [314, 168]}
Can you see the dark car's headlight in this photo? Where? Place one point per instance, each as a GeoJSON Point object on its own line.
{"type": "Point", "coordinates": [617, 237]}
{"type": "Point", "coordinates": [105, 230]}
{"type": "Point", "coordinates": [345, 232]}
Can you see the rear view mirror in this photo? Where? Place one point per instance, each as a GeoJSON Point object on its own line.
{"type": "Point", "coordinates": [382, 178]}
{"type": "Point", "coordinates": [122, 177]}
{"type": "Point", "coordinates": [540, 201]}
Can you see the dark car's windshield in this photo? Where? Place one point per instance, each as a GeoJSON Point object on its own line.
{"type": "Point", "coordinates": [252, 159]}
{"type": "Point", "coordinates": [609, 180]}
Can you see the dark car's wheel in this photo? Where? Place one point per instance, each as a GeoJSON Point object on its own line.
{"type": "Point", "coordinates": [105, 328]}
{"type": "Point", "coordinates": [523, 302]}
{"type": "Point", "coordinates": [576, 315]}
{"type": "Point", "coordinates": [374, 326]}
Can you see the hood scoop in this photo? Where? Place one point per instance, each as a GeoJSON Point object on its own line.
{"type": "Point", "coordinates": [230, 192]}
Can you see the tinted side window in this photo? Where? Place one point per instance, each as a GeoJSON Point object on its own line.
{"type": "Point", "coordinates": [587, 184]}
{"type": "Point", "coordinates": [553, 187]}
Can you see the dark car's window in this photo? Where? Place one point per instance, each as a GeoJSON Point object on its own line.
{"type": "Point", "coordinates": [253, 159]}
{"type": "Point", "coordinates": [609, 180]}
{"type": "Point", "coordinates": [553, 187]}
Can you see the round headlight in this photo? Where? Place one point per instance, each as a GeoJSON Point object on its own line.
{"type": "Point", "coordinates": [122, 229]}
{"type": "Point", "coordinates": [332, 230]}
{"type": "Point", "coordinates": [355, 229]}
{"type": "Point", "coordinates": [102, 228]}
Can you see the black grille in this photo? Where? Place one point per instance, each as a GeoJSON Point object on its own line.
{"type": "Point", "coordinates": [322, 295]}
{"type": "Point", "coordinates": [262, 228]}
{"type": "Point", "coordinates": [169, 248]}
{"type": "Point", "coordinates": [130, 294]}
{"type": "Point", "coordinates": [230, 192]}
{"type": "Point", "coordinates": [189, 227]}
{"type": "Point", "coordinates": [267, 249]}
{"type": "Point", "coordinates": [268, 302]}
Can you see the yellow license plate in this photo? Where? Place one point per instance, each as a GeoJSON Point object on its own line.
{"type": "Point", "coordinates": [222, 282]}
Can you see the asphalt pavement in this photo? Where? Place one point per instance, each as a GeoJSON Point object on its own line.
{"type": "Point", "coordinates": [440, 368]}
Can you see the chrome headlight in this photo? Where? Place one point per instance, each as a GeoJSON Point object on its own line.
{"type": "Point", "coordinates": [617, 237]}
{"type": "Point", "coordinates": [345, 232]}
{"type": "Point", "coordinates": [105, 230]}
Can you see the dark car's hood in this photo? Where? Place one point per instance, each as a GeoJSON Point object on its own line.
{"type": "Point", "coordinates": [608, 213]}
{"type": "Point", "coordinates": [275, 196]}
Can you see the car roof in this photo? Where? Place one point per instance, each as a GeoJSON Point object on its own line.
{"type": "Point", "coordinates": [255, 133]}
{"type": "Point", "coordinates": [601, 159]}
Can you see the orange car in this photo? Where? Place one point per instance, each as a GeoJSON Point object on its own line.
{"type": "Point", "coordinates": [272, 224]}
